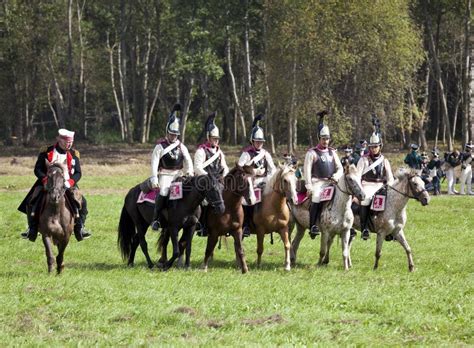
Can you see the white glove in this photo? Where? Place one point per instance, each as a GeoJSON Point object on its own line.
{"type": "Point", "coordinates": [67, 184]}
{"type": "Point", "coordinates": [154, 181]}
{"type": "Point", "coordinates": [260, 171]}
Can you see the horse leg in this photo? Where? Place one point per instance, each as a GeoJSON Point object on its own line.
{"type": "Point", "coordinates": [346, 252]}
{"type": "Point", "coordinates": [326, 258]}
{"type": "Point", "coordinates": [400, 236]}
{"type": "Point", "coordinates": [60, 257]}
{"type": "Point", "coordinates": [211, 244]}
{"type": "Point", "coordinates": [133, 250]}
{"type": "Point", "coordinates": [189, 233]}
{"type": "Point", "coordinates": [378, 249]}
{"type": "Point", "coordinates": [49, 252]}
{"type": "Point", "coordinates": [239, 251]}
{"type": "Point", "coordinates": [287, 245]}
{"type": "Point", "coordinates": [351, 240]}
{"type": "Point", "coordinates": [260, 237]}
{"type": "Point", "coordinates": [144, 247]}
{"type": "Point", "coordinates": [164, 240]}
{"type": "Point", "coordinates": [296, 242]}
{"type": "Point", "coordinates": [174, 241]}
{"type": "Point", "coordinates": [323, 249]}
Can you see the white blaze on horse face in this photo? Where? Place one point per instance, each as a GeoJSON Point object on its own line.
{"type": "Point", "coordinates": [252, 197]}
{"type": "Point", "coordinates": [291, 177]}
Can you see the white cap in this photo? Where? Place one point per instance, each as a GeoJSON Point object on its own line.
{"type": "Point", "coordinates": [324, 132]}
{"type": "Point", "coordinates": [214, 133]}
{"type": "Point", "coordinates": [65, 134]}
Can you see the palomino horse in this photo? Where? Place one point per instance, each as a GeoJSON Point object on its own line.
{"type": "Point", "coordinates": [237, 185]}
{"type": "Point", "coordinates": [336, 218]}
{"type": "Point", "coordinates": [392, 220]}
{"type": "Point", "coordinates": [135, 218]}
{"type": "Point", "coordinates": [56, 221]}
{"type": "Point", "coordinates": [273, 214]}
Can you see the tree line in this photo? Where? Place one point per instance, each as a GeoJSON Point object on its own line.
{"type": "Point", "coordinates": [111, 70]}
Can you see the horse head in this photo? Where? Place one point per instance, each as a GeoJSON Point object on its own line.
{"type": "Point", "coordinates": [56, 178]}
{"type": "Point", "coordinates": [285, 182]}
{"type": "Point", "coordinates": [239, 181]}
{"type": "Point", "coordinates": [353, 181]}
{"type": "Point", "coordinates": [417, 187]}
{"type": "Point", "coordinates": [213, 193]}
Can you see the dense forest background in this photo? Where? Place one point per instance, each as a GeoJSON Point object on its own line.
{"type": "Point", "coordinates": [112, 70]}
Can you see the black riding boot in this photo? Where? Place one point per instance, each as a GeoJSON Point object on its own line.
{"type": "Point", "coordinates": [364, 221]}
{"type": "Point", "coordinates": [201, 225]}
{"type": "Point", "coordinates": [79, 231]}
{"type": "Point", "coordinates": [32, 232]}
{"type": "Point", "coordinates": [248, 216]}
{"type": "Point", "coordinates": [159, 205]}
{"type": "Point", "coordinates": [313, 220]}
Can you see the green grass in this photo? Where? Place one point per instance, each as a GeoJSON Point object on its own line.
{"type": "Point", "coordinates": [99, 301]}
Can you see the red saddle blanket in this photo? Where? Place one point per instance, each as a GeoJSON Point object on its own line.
{"type": "Point", "coordinates": [302, 197]}
{"type": "Point", "coordinates": [148, 197]}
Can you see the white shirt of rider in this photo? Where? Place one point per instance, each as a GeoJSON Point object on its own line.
{"type": "Point", "coordinates": [62, 159]}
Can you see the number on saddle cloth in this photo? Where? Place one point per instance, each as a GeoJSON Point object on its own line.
{"type": "Point", "coordinates": [327, 193]}
{"type": "Point", "coordinates": [258, 197]}
{"type": "Point", "coordinates": [379, 200]}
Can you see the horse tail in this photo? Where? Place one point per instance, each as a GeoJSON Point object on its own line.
{"type": "Point", "coordinates": [126, 231]}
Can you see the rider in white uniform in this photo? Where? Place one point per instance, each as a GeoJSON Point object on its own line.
{"type": "Point", "coordinates": [170, 159]}
{"type": "Point", "coordinates": [375, 170]}
{"type": "Point", "coordinates": [261, 160]}
{"type": "Point", "coordinates": [209, 159]}
{"type": "Point", "coordinates": [466, 170]}
{"type": "Point", "coordinates": [322, 167]}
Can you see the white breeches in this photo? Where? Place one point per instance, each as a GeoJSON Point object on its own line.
{"type": "Point", "coordinates": [451, 180]}
{"type": "Point", "coordinates": [466, 179]}
{"type": "Point", "coordinates": [164, 182]}
{"type": "Point", "coordinates": [317, 186]}
{"type": "Point", "coordinates": [369, 189]}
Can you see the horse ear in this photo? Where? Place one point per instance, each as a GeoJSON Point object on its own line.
{"type": "Point", "coordinates": [237, 165]}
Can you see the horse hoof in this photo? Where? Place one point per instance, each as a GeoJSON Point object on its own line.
{"type": "Point", "coordinates": [287, 268]}
{"type": "Point", "coordinates": [150, 266]}
{"type": "Point", "coordinates": [411, 269]}
{"type": "Point", "coordinates": [131, 265]}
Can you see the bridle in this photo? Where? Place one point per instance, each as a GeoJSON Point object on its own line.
{"type": "Point", "coordinates": [416, 195]}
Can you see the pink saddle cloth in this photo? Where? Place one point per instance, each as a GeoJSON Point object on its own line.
{"type": "Point", "coordinates": [302, 197]}
{"type": "Point", "coordinates": [148, 197]}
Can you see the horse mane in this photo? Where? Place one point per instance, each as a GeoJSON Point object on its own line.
{"type": "Point", "coordinates": [403, 172]}
{"type": "Point", "coordinates": [281, 171]}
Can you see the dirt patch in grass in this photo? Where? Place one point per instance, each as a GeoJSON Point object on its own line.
{"type": "Point", "coordinates": [213, 324]}
{"type": "Point", "coordinates": [272, 319]}
{"type": "Point", "coordinates": [121, 318]}
{"type": "Point", "coordinates": [186, 310]}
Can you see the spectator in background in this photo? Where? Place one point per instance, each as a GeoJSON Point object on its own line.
{"type": "Point", "coordinates": [452, 160]}
{"type": "Point", "coordinates": [466, 170]}
{"type": "Point", "coordinates": [434, 166]}
{"type": "Point", "coordinates": [413, 159]}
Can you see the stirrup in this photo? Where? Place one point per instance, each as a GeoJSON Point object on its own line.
{"type": "Point", "coordinates": [314, 231]}
{"type": "Point", "coordinates": [29, 234]}
{"type": "Point", "coordinates": [155, 225]}
{"type": "Point", "coordinates": [365, 234]}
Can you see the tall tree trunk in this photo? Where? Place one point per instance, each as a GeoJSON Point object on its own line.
{"type": "Point", "coordinates": [70, 71]}
{"type": "Point", "coordinates": [145, 99]}
{"type": "Point", "coordinates": [439, 78]}
{"type": "Point", "coordinates": [424, 110]}
{"type": "Point", "coordinates": [187, 103]}
{"type": "Point", "coordinates": [291, 115]}
{"type": "Point", "coordinates": [122, 69]}
{"type": "Point", "coordinates": [269, 111]}
{"type": "Point", "coordinates": [247, 61]}
{"type": "Point", "coordinates": [238, 110]}
{"type": "Point", "coordinates": [82, 81]}
{"type": "Point", "coordinates": [467, 57]}
{"type": "Point", "coordinates": [114, 89]}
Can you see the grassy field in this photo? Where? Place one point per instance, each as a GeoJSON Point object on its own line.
{"type": "Point", "coordinates": [99, 301]}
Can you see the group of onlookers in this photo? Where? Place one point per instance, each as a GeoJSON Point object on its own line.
{"type": "Point", "coordinates": [434, 169]}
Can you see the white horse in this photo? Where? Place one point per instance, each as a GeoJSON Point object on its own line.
{"type": "Point", "coordinates": [392, 220]}
{"type": "Point", "coordinates": [336, 218]}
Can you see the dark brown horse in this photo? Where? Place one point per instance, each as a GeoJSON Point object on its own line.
{"type": "Point", "coordinates": [136, 218]}
{"type": "Point", "coordinates": [238, 184]}
{"type": "Point", "coordinates": [56, 221]}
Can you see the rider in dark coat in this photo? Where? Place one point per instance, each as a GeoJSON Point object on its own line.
{"type": "Point", "coordinates": [61, 152]}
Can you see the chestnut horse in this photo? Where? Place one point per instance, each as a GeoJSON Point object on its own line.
{"type": "Point", "coordinates": [273, 213]}
{"type": "Point", "coordinates": [237, 185]}
{"type": "Point", "coordinates": [56, 221]}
